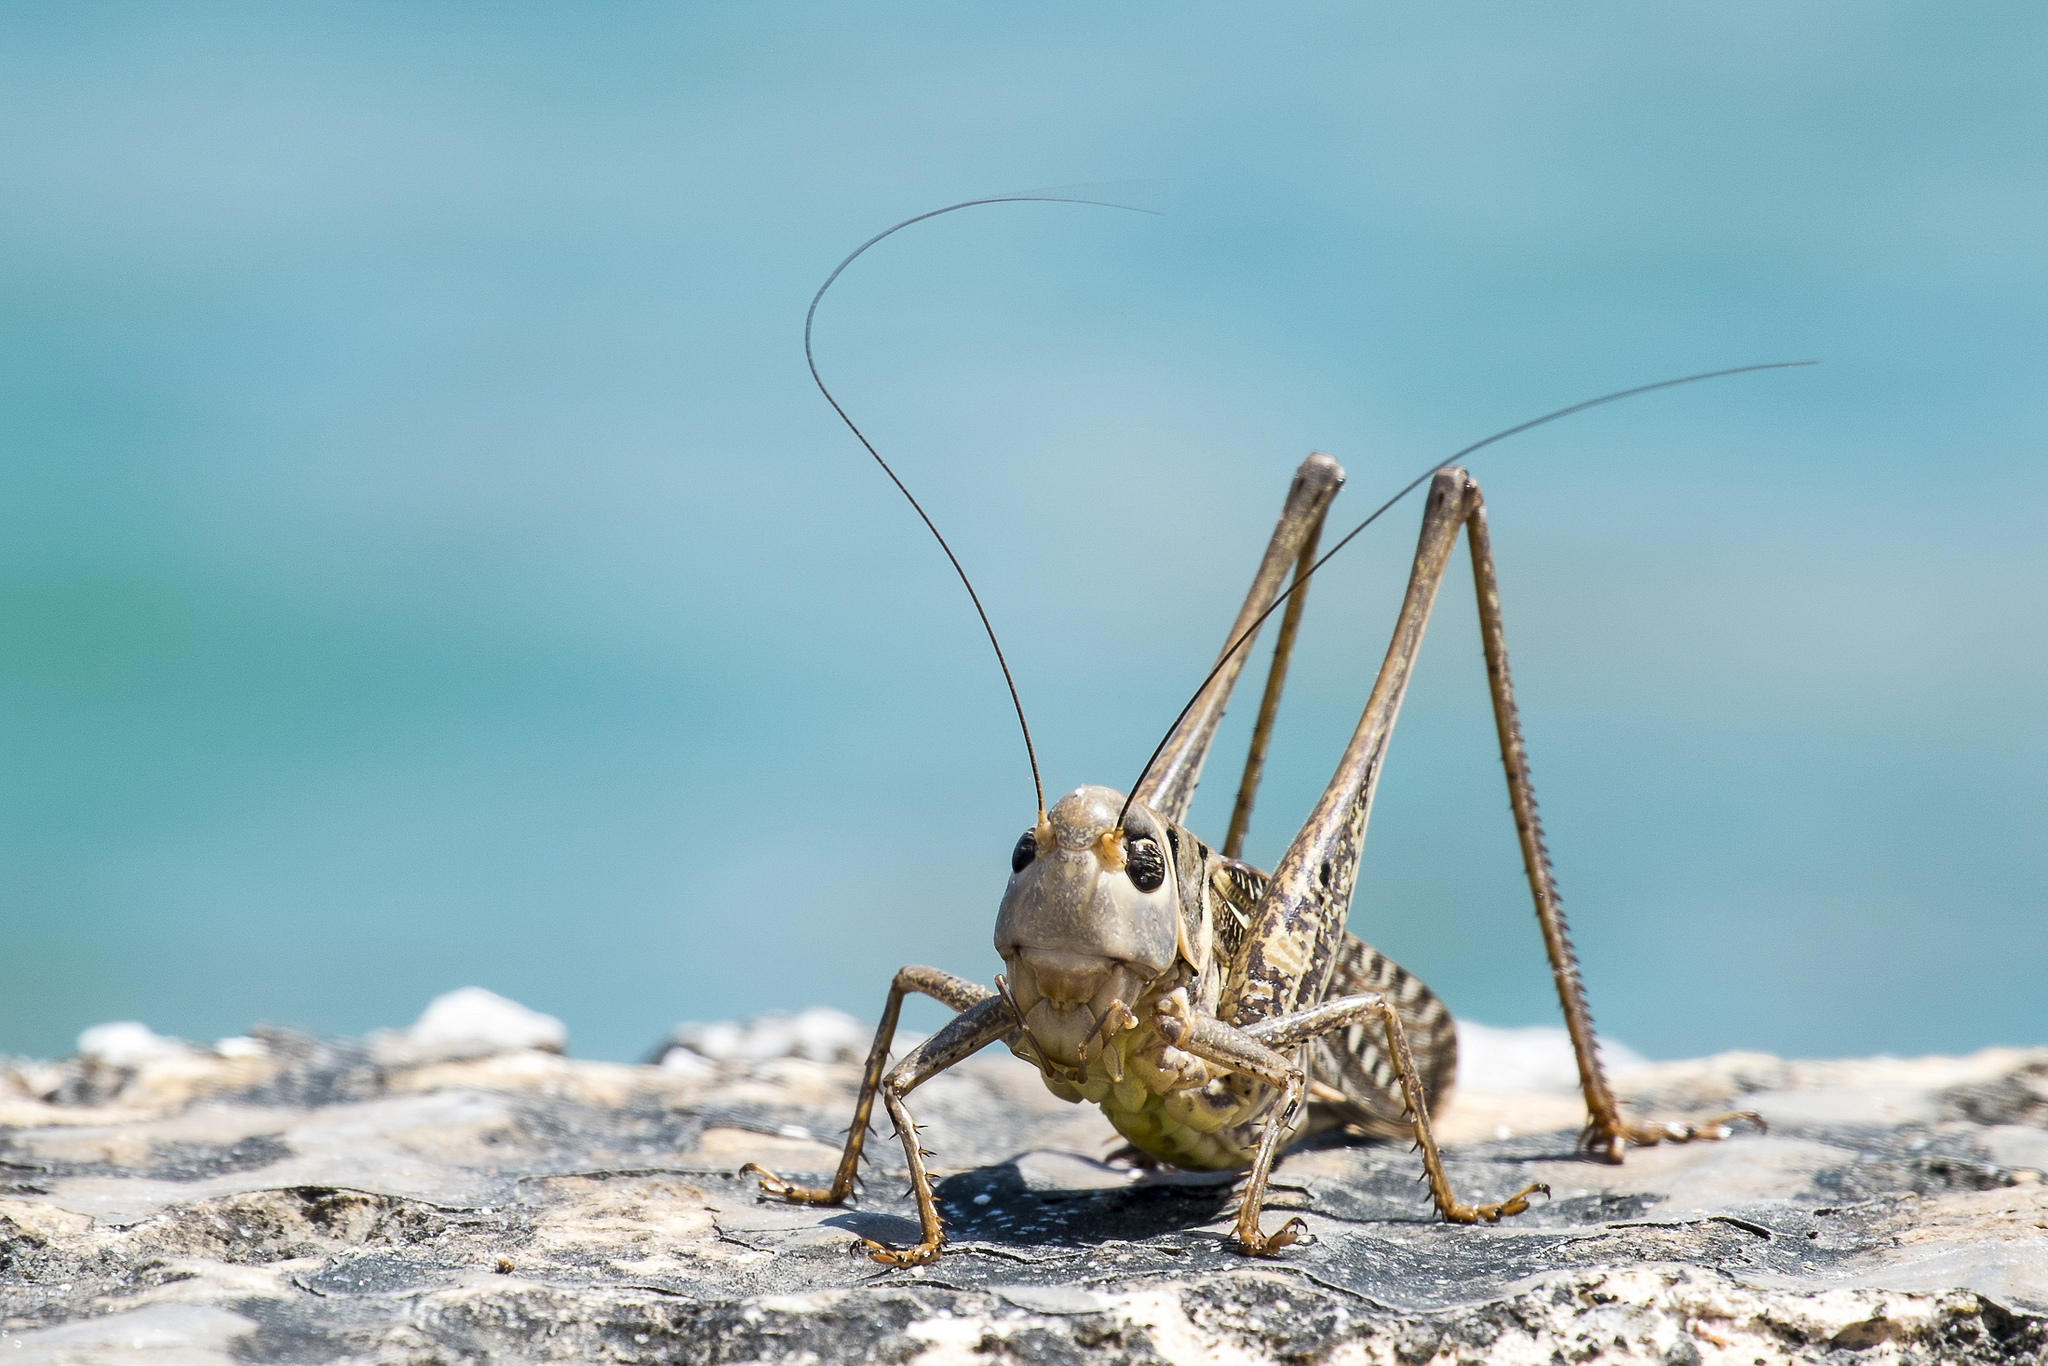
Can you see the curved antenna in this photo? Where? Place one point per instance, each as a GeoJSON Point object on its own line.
{"type": "Point", "coordinates": [810, 316]}
{"type": "Point", "coordinates": [1406, 489]}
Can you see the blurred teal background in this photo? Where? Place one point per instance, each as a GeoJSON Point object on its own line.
{"type": "Point", "coordinates": [423, 559]}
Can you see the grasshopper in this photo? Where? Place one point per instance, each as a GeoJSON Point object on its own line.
{"type": "Point", "coordinates": [1215, 1012]}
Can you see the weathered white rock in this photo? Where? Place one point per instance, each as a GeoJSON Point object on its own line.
{"type": "Point", "coordinates": [124, 1043]}
{"type": "Point", "coordinates": [819, 1034]}
{"type": "Point", "coordinates": [473, 1018]}
{"type": "Point", "coordinates": [334, 1201]}
{"type": "Point", "coordinates": [1531, 1058]}
{"type": "Point", "coordinates": [240, 1046]}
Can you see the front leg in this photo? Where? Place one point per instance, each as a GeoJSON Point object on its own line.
{"type": "Point", "coordinates": [967, 1033]}
{"type": "Point", "coordinates": [956, 992]}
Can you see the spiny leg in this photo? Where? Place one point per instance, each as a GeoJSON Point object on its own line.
{"type": "Point", "coordinates": [1354, 1060]}
{"type": "Point", "coordinates": [1342, 1012]}
{"type": "Point", "coordinates": [956, 992]}
{"type": "Point", "coordinates": [1230, 1048]}
{"type": "Point", "coordinates": [1285, 961]}
{"type": "Point", "coordinates": [1253, 1051]}
{"type": "Point", "coordinates": [1606, 1133]}
{"type": "Point", "coordinates": [1286, 958]}
{"type": "Point", "coordinates": [964, 1035]}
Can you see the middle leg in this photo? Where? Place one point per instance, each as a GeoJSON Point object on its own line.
{"type": "Point", "coordinates": [1303, 1025]}
{"type": "Point", "coordinates": [1255, 1051]}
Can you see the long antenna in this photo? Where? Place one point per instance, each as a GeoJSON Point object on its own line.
{"type": "Point", "coordinates": [810, 316]}
{"type": "Point", "coordinates": [1406, 489]}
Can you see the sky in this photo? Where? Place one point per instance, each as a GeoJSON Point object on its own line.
{"type": "Point", "coordinates": [424, 560]}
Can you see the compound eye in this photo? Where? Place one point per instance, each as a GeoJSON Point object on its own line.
{"type": "Point", "coordinates": [1026, 850]}
{"type": "Point", "coordinates": [1144, 864]}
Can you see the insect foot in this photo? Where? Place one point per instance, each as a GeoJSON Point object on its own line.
{"type": "Point", "coordinates": [771, 1184]}
{"type": "Point", "coordinates": [1256, 1244]}
{"type": "Point", "coordinates": [1515, 1204]}
{"type": "Point", "coordinates": [926, 1251]}
{"type": "Point", "coordinates": [1608, 1140]}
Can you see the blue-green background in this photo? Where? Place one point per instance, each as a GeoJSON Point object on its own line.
{"type": "Point", "coordinates": [423, 560]}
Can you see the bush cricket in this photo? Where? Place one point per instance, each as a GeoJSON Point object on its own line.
{"type": "Point", "coordinates": [1217, 1013]}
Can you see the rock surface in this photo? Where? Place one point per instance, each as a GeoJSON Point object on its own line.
{"type": "Point", "coordinates": [283, 1198]}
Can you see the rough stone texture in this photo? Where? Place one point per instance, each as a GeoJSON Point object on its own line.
{"type": "Point", "coordinates": [294, 1199]}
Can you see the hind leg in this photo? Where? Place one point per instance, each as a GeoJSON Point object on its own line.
{"type": "Point", "coordinates": [1606, 1134]}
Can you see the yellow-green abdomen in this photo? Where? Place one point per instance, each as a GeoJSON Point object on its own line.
{"type": "Point", "coordinates": [1151, 1129]}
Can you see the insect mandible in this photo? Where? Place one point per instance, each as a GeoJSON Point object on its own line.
{"type": "Point", "coordinates": [1217, 1013]}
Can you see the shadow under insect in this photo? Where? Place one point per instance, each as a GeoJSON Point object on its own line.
{"type": "Point", "coordinates": [999, 1205]}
